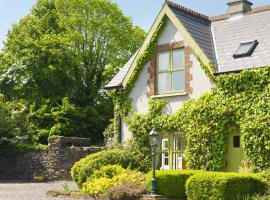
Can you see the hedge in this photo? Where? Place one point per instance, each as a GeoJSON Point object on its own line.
{"type": "Point", "coordinates": [86, 166]}
{"type": "Point", "coordinates": [224, 186]}
{"type": "Point", "coordinates": [171, 183]}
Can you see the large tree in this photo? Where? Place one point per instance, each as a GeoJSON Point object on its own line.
{"type": "Point", "coordinates": [68, 48]}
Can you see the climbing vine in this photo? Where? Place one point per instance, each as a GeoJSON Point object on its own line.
{"type": "Point", "coordinates": [240, 102]}
{"type": "Point", "coordinates": [121, 97]}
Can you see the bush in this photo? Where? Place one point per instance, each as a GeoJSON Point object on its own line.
{"type": "Point", "coordinates": [266, 176]}
{"type": "Point", "coordinates": [86, 166]}
{"type": "Point", "coordinates": [224, 186]}
{"type": "Point", "coordinates": [17, 131]}
{"type": "Point", "coordinates": [171, 183]}
{"type": "Point", "coordinates": [127, 191]}
{"type": "Point", "coordinates": [108, 176]}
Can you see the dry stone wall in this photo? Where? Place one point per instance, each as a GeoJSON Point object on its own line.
{"type": "Point", "coordinates": [53, 164]}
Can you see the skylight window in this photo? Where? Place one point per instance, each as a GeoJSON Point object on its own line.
{"type": "Point", "coordinates": [246, 49]}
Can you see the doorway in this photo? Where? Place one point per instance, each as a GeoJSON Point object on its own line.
{"type": "Point", "coordinates": [235, 153]}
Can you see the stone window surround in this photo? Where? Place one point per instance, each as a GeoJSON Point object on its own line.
{"type": "Point", "coordinates": [152, 82]}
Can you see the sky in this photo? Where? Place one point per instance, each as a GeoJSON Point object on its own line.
{"type": "Point", "coordinates": [143, 12]}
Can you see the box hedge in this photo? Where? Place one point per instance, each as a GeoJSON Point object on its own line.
{"type": "Point", "coordinates": [224, 186]}
{"type": "Point", "coordinates": [171, 183]}
{"type": "Point", "coordinates": [86, 166]}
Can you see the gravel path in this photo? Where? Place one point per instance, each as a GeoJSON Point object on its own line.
{"type": "Point", "coordinates": [31, 191]}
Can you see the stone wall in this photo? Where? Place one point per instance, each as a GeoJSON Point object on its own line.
{"type": "Point", "coordinates": [53, 164]}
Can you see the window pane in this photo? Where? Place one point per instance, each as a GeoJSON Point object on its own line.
{"type": "Point", "coordinates": [244, 48]}
{"type": "Point", "coordinates": [178, 59]}
{"type": "Point", "coordinates": [163, 62]}
{"type": "Point", "coordinates": [178, 81]}
{"type": "Point", "coordinates": [165, 144]}
{"type": "Point", "coordinates": [164, 83]}
{"type": "Point", "coordinates": [236, 141]}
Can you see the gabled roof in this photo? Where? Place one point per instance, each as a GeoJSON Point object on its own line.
{"type": "Point", "coordinates": [229, 33]}
{"type": "Point", "coordinates": [117, 81]}
{"type": "Point", "coordinates": [168, 12]}
{"type": "Point", "coordinates": [213, 39]}
{"type": "Point", "coordinates": [198, 26]}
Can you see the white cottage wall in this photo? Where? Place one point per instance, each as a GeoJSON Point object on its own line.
{"type": "Point", "coordinates": [200, 83]}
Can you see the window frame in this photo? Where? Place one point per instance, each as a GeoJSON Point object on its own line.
{"type": "Point", "coordinates": [253, 46]}
{"type": "Point", "coordinates": [170, 70]}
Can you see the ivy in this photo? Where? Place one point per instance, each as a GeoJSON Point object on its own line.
{"type": "Point", "coordinates": [121, 97]}
{"type": "Point", "coordinates": [240, 101]}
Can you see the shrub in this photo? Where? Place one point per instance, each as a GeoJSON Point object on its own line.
{"type": "Point", "coordinates": [127, 191]}
{"type": "Point", "coordinates": [171, 183]}
{"type": "Point", "coordinates": [266, 176]}
{"type": "Point", "coordinates": [86, 166]}
{"type": "Point", "coordinates": [224, 186]}
{"type": "Point", "coordinates": [108, 176]}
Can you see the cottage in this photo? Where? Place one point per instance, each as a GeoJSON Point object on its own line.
{"type": "Point", "coordinates": [225, 44]}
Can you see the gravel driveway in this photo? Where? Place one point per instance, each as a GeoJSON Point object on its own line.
{"type": "Point", "coordinates": [31, 191]}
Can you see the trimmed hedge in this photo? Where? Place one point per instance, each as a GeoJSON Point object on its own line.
{"type": "Point", "coordinates": [86, 166]}
{"type": "Point", "coordinates": [171, 183]}
{"type": "Point", "coordinates": [224, 186]}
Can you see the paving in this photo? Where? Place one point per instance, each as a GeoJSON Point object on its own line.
{"type": "Point", "coordinates": [31, 191]}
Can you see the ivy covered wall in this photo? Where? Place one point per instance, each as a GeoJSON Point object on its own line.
{"type": "Point", "coordinates": [239, 101]}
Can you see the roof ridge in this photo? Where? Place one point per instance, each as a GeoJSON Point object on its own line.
{"type": "Point", "coordinates": [216, 17]}
{"type": "Point", "coordinates": [253, 11]}
{"type": "Point", "coordinates": [187, 10]}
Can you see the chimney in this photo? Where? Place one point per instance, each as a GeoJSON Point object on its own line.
{"type": "Point", "coordinates": [238, 7]}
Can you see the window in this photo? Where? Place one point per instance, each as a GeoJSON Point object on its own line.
{"type": "Point", "coordinates": [178, 151]}
{"type": "Point", "coordinates": [170, 72]}
{"type": "Point", "coordinates": [165, 153]}
{"type": "Point", "coordinates": [245, 49]}
{"type": "Point", "coordinates": [172, 152]}
{"type": "Point", "coordinates": [236, 141]}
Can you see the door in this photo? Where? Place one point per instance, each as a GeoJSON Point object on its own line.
{"type": "Point", "coordinates": [165, 154]}
{"type": "Point", "coordinates": [178, 152]}
{"type": "Point", "coordinates": [235, 154]}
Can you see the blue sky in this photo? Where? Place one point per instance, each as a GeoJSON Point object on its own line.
{"type": "Point", "coordinates": [143, 12]}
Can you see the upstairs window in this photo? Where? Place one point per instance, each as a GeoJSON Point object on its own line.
{"type": "Point", "coordinates": [245, 49]}
{"type": "Point", "coordinates": [170, 72]}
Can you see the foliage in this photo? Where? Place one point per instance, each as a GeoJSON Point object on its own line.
{"type": "Point", "coordinates": [227, 186]}
{"type": "Point", "coordinates": [171, 183]}
{"type": "Point", "coordinates": [68, 120]}
{"type": "Point", "coordinates": [17, 132]}
{"type": "Point", "coordinates": [108, 176]}
{"type": "Point", "coordinates": [127, 191]}
{"type": "Point", "coordinates": [255, 197]}
{"type": "Point", "coordinates": [61, 50]}
{"type": "Point", "coordinates": [109, 132]}
{"type": "Point", "coordinates": [240, 102]}
{"type": "Point", "coordinates": [121, 98]}
{"type": "Point", "coordinates": [87, 166]}
{"type": "Point", "coordinates": [266, 176]}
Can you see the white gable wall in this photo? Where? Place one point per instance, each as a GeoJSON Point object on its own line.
{"type": "Point", "coordinates": [200, 83]}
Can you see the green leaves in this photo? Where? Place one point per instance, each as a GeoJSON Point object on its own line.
{"type": "Point", "coordinates": [68, 49]}
{"type": "Point", "coordinates": [241, 101]}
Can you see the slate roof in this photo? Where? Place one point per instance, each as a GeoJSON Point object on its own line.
{"type": "Point", "coordinates": [198, 26]}
{"type": "Point", "coordinates": [118, 79]}
{"type": "Point", "coordinates": [229, 33]}
{"type": "Point", "coordinates": [219, 37]}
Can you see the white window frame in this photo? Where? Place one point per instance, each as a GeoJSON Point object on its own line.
{"type": "Point", "coordinates": [170, 71]}
{"type": "Point", "coordinates": [165, 151]}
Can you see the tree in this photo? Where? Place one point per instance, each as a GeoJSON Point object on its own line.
{"type": "Point", "coordinates": [68, 49]}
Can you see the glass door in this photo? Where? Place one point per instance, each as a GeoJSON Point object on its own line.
{"type": "Point", "coordinates": [179, 151]}
{"type": "Point", "coordinates": [165, 154]}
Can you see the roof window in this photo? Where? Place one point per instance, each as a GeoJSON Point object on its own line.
{"type": "Point", "coordinates": [246, 49]}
